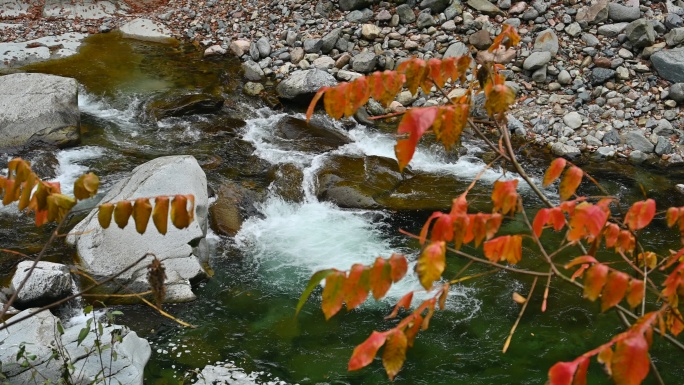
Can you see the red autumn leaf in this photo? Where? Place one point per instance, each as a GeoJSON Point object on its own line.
{"type": "Point", "coordinates": [431, 311]}
{"type": "Point", "coordinates": [557, 218]}
{"type": "Point", "coordinates": [581, 260]}
{"type": "Point", "coordinates": [640, 214]}
{"type": "Point", "coordinates": [594, 280]}
{"type": "Point", "coordinates": [333, 294]}
{"type": "Point", "coordinates": [334, 100]}
{"type": "Point", "coordinates": [314, 281]}
{"type": "Point", "coordinates": [435, 72]}
{"type": "Point", "coordinates": [614, 289]}
{"type": "Point", "coordinates": [426, 226]}
{"type": "Point", "coordinates": [672, 216]}
{"type": "Point", "coordinates": [459, 205]}
{"type": "Point", "coordinates": [581, 373]}
{"type": "Point", "coordinates": [399, 267]}
{"type": "Point", "coordinates": [635, 293]}
{"type": "Point", "coordinates": [415, 72]}
{"type": "Point", "coordinates": [571, 180]}
{"type": "Point", "coordinates": [404, 302]}
{"type": "Point", "coordinates": [554, 171]}
{"type": "Point", "coordinates": [356, 286]}
{"type": "Point", "coordinates": [674, 322]}
{"type": "Point", "coordinates": [507, 247]}
{"type": "Point", "coordinates": [142, 209]}
{"type": "Point", "coordinates": [413, 328]}
{"type": "Point", "coordinates": [630, 361]}
{"type": "Point", "coordinates": [385, 86]}
{"type": "Point", "coordinates": [415, 123]}
{"type": "Point", "coordinates": [540, 220]}
{"type": "Point", "coordinates": [605, 357]}
{"type": "Point", "coordinates": [579, 272]}
{"type": "Point", "coordinates": [508, 36]}
{"type": "Point", "coordinates": [443, 230]}
{"type": "Point", "coordinates": [626, 242]}
{"type": "Point", "coordinates": [478, 227]}
{"type": "Point", "coordinates": [492, 226]}
{"type": "Point", "coordinates": [365, 353]}
{"type": "Point", "coordinates": [431, 264]}
{"type": "Point", "coordinates": [394, 355]}
{"type": "Point", "coordinates": [587, 221]}
{"type": "Point", "coordinates": [380, 277]}
{"type": "Point", "coordinates": [610, 234]}
{"type": "Point", "coordinates": [462, 230]}
{"type": "Point", "coordinates": [314, 101]}
{"type": "Point", "coordinates": [561, 373]}
{"type": "Point", "coordinates": [450, 123]}
{"type": "Point", "coordinates": [505, 196]}
{"type": "Point", "coordinates": [673, 282]}
{"type": "Point", "coordinates": [357, 94]}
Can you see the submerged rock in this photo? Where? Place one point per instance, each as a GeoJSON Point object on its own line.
{"type": "Point", "coordinates": [317, 136]}
{"type": "Point", "coordinates": [105, 252]}
{"type": "Point", "coordinates": [233, 205]}
{"type": "Point", "coordinates": [38, 108]}
{"type": "Point", "coordinates": [181, 105]}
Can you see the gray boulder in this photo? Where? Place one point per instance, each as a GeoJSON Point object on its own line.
{"type": "Point", "coordinates": [456, 50]}
{"type": "Point", "coordinates": [264, 47]}
{"type": "Point", "coordinates": [675, 37]}
{"type": "Point", "coordinates": [47, 283]}
{"type": "Point", "coordinates": [105, 252]}
{"type": "Point", "coordinates": [148, 30]}
{"type": "Point", "coordinates": [677, 92]}
{"type": "Point", "coordinates": [329, 40]}
{"type": "Point", "coordinates": [485, 7]}
{"type": "Point", "coordinates": [38, 108]}
{"type": "Point", "coordinates": [406, 15]}
{"type": "Point", "coordinates": [425, 20]}
{"type": "Point", "coordinates": [637, 141]}
{"type": "Point", "coordinates": [663, 146]}
{"type": "Point", "coordinates": [304, 83]}
{"type": "Point", "coordinates": [619, 12]}
{"type": "Point", "coordinates": [361, 16]}
{"type": "Point", "coordinates": [313, 45]}
{"type": "Point", "coordinates": [565, 150]}
{"type": "Point", "coordinates": [39, 334]}
{"type": "Point", "coordinates": [364, 62]}
{"type": "Point", "coordinates": [252, 71]}
{"type": "Point", "coordinates": [640, 33]}
{"type": "Point", "coordinates": [670, 64]}
{"type": "Point", "coordinates": [536, 60]}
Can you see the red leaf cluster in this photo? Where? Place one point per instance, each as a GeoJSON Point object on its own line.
{"type": "Point", "coordinates": [611, 285]}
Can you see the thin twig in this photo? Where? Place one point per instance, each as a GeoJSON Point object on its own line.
{"type": "Point", "coordinates": [522, 311]}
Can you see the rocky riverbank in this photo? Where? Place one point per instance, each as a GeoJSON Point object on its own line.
{"type": "Point", "coordinates": [603, 79]}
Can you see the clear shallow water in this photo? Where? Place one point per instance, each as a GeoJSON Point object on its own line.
{"type": "Point", "coordinates": [245, 313]}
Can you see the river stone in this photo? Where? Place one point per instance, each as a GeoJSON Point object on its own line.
{"type": "Point", "coordinates": [38, 108]}
{"type": "Point", "coordinates": [351, 5]}
{"type": "Point", "coordinates": [312, 45]}
{"type": "Point", "coordinates": [663, 146]}
{"type": "Point", "coordinates": [252, 71]}
{"type": "Point", "coordinates": [287, 182]}
{"type": "Point", "coordinates": [39, 333]}
{"type": "Point", "coordinates": [675, 37]}
{"type": "Point", "coordinates": [317, 136]}
{"type": "Point", "coordinates": [239, 47]}
{"type": "Point", "coordinates": [457, 49]}
{"type": "Point", "coordinates": [677, 92]}
{"type": "Point", "coordinates": [253, 89]}
{"type": "Point", "coordinates": [640, 33]}
{"type": "Point", "coordinates": [169, 105]}
{"type": "Point", "coordinates": [425, 20]}
{"type": "Point", "coordinates": [263, 46]}
{"type": "Point", "coordinates": [547, 41]}
{"type": "Point", "coordinates": [435, 6]}
{"type": "Point", "coordinates": [536, 60]}
{"type": "Point", "coordinates": [601, 75]}
{"type": "Point", "coordinates": [637, 141]}
{"type": "Point", "coordinates": [47, 283]}
{"type": "Point", "coordinates": [669, 64]}
{"type": "Point", "coordinates": [362, 16]}
{"type": "Point", "coordinates": [364, 62]}
{"type": "Point", "coordinates": [406, 14]}
{"type": "Point", "coordinates": [304, 84]}
{"type": "Point", "coordinates": [573, 120]}
{"type": "Point", "coordinates": [485, 7]}
{"type": "Point", "coordinates": [594, 14]}
{"type": "Point", "coordinates": [619, 12]}
{"type": "Point", "coordinates": [234, 203]}
{"type": "Point", "coordinates": [330, 39]}
{"type": "Point", "coordinates": [565, 150]}
{"type": "Point", "coordinates": [370, 31]}
{"type": "Point", "coordinates": [104, 252]}
{"type": "Point", "coordinates": [214, 50]}
{"type": "Point", "coordinates": [148, 30]}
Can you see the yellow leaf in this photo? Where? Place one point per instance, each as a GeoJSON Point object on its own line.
{"type": "Point", "coordinates": [141, 214]}
{"type": "Point", "coordinates": [104, 215]}
{"type": "Point", "coordinates": [179, 212]}
{"type": "Point", "coordinates": [122, 211]}
{"type": "Point", "coordinates": [160, 214]}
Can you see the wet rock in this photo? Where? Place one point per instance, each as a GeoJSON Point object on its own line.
{"type": "Point", "coordinates": [174, 104]}
{"type": "Point", "coordinates": [104, 252]}
{"type": "Point", "coordinates": [670, 64]}
{"type": "Point", "coordinates": [148, 30]}
{"type": "Point", "coordinates": [304, 84]}
{"type": "Point", "coordinates": [640, 33]}
{"type": "Point", "coordinates": [253, 89]}
{"type": "Point", "coordinates": [287, 182]}
{"type": "Point", "coordinates": [38, 108]}
{"type": "Point", "coordinates": [47, 283]}
{"type": "Point", "coordinates": [317, 136]}
{"type": "Point", "coordinates": [233, 205]}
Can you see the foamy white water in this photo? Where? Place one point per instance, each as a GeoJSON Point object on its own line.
{"type": "Point", "coordinates": [126, 118]}
{"type": "Point", "coordinates": [70, 168]}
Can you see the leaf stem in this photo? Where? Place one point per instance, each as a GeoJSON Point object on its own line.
{"type": "Point", "coordinates": [522, 311]}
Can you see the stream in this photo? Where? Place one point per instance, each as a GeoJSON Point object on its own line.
{"type": "Point", "coordinates": [245, 312]}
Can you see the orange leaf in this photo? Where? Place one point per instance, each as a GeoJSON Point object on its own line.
{"type": "Point", "coordinates": [462, 230]}
{"type": "Point", "coordinates": [333, 294]}
{"type": "Point", "coordinates": [141, 214]}
{"type": "Point", "coordinates": [614, 290]}
{"type": "Point", "coordinates": [380, 278]}
{"type": "Point", "coordinates": [630, 361]}
{"type": "Point", "coordinates": [579, 272]}
{"type": "Point", "coordinates": [557, 218]}
{"type": "Point", "coordinates": [479, 227]}
{"type": "Point", "coordinates": [640, 214]}
{"type": "Point", "coordinates": [122, 211]}
{"type": "Point", "coordinates": [499, 99]}
{"type": "Point", "coordinates": [314, 101]}
{"type": "Point", "coordinates": [605, 357]}
{"type": "Point", "coordinates": [507, 247]}
{"type": "Point", "coordinates": [413, 328]}
{"type": "Point", "coordinates": [104, 215]}
{"type": "Point", "coordinates": [10, 192]}
{"type": "Point", "coordinates": [561, 373]}
{"type": "Point", "coordinates": [357, 95]}
{"type": "Point", "coordinates": [554, 171]}
{"type": "Point", "coordinates": [586, 222]}
{"type": "Point", "coordinates": [365, 353]}
{"type": "Point", "coordinates": [435, 72]}
{"type": "Point", "coordinates": [399, 266]}
{"type": "Point", "coordinates": [356, 286]}
{"type": "Point", "coordinates": [415, 72]}
{"type": "Point", "coordinates": [415, 122]}
{"type": "Point", "coordinates": [505, 196]}
{"type": "Point", "coordinates": [571, 180]}
{"type": "Point", "coordinates": [581, 260]}
{"type": "Point", "coordinates": [672, 216]}
{"type": "Point", "coordinates": [26, 190]}
{"type": "Point", "coordinates": [431, 264]}
{"type": "Point", "coordinates": [160, 214]}
{"type": "Point", "coordinates": [404, 302]}
{"type": "Point", "coordinates": [594, 280]}
{"type": "Point", "coordinates": [86, 186]}
{"type": "Point", "coordinates": [395, 353]}
{"type": "Point", "coordinates": [179, 212]}
{"type": "Point", "coordinates": [508, 36]}
{"type": "Point", "coordinates": [443, 230]}
{"type": "Point", "coordinates": [334, 100]}
{"type": "Point", "coordinates": [540, 220]}
{"type": "Point", "coordinates": [636, 293]}
{"type": "Point", "coordinates": [581, 373]}
{"type": "Point", "coordinates": [431, 311]}
{"type": "Point", "coordinates": [493, 225]}
{"type": "Point", "coordinates": [610, 234]}
{"type": "Point", "coordinates": [626, 242]}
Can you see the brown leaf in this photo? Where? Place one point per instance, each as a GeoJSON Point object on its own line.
{"type": "Point", "coordinates": [86, 186]}
{"type": "Point", "coordinates": [395, 353]}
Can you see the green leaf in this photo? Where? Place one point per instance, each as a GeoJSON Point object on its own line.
{"type": "Point", "coordinates": [82, 335]}
{"type": "Point", "coordinates": [313, 282]}
{"type": "Point", "coordinates": [60, 328]}
{"type": "Point", "coordinates": [88, 309]}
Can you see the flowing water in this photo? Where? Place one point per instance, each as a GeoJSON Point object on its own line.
{"type": "Point", "coordinates": [245, 313]}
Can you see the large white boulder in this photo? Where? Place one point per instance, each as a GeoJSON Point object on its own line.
{"type": "Point", "coordinates": [40, 336]}
{"type": "Point", "coordinates": [105, 252]}
{"type": "Point", "coordinates": [47, 283]}
{"type": "Point", "coordinates": [37, 50]}
{"type": "Point", "coordinates": [38, 108]}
